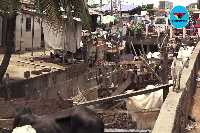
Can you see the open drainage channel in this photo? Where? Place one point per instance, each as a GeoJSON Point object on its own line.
{"type": "Point", "coordinates": [126, 131]}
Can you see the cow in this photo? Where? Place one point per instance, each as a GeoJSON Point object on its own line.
{"type": "Point", "coordinates": [78, 119]}
{"type": "Point", "coordinates": [152, 100]}
{"type": "Point", "coordinates": [176, 71]}
{"type": "Point", "coordinates": [131, 74]}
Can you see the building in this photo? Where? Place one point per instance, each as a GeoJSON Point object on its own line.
{"type": "Point", "coordinates": [159, 12]}
{"type": "Point", "coordinates": [165, 5]}
{"type": "Point", "coordinates": [90, 2]}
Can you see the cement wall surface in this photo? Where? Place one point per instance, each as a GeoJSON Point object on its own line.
{"type": "Point", "coordinates": [173, 116]}
{"type": "Point", "coordinates": [66, 81]}
{"type": "Point", "coordinates": [47, 84]}
{"type": "Point", "coordinates": [26, 37]}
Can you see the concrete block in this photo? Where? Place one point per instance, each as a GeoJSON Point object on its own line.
{"type": "Point", "coordinates": [46, 69]}
{"type": "Point", "coordinates": [36, 72]}
{"type": "Point", "coordinates": [27, 74]}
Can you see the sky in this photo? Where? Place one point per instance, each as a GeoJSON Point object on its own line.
{"type": "Point", "coordinates": [155, 2]}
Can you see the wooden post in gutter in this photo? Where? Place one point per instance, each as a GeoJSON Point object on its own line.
{"type": "Point", "coordinates": [165, 61]}
{"type": "Point", "coordinates": [32, 36]}
{"type": "Point", "coordinates": [165, 68]}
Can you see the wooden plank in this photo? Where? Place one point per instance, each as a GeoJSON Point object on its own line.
{"type": "Point", "coordinates": [159, 78]}
{"type": "Point", "coordinates": [126, 131]}
{"type": "Point", "coordinates": [122, 87]}
{"type": "Point", "coordinates": [130, 62]}
{"type": "Point", "coordinates": [117, 111]}
{"type": "Point", "coordinates": [122, 96]}
{"type": "Point", "coordinates": [86, 92]}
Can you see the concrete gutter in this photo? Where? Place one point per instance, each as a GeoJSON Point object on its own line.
{"type": "Point", "coordinates": [175, 109]}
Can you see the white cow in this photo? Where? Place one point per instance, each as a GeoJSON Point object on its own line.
{"type": "Point", "coordinates": [184, 55]}
{"type": "Point", "coordinates": [144, 101]}
{"type": "Point", "coordinates": [176, 71]}
{"type": "Point", "coordinates": [24, 129]}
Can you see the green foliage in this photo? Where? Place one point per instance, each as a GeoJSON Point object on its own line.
{"type": "Point", "coordinates": [144, 7]}
{"type": "Point", "coordinates": [137, 30]}
{"type": "Point", "coordinates": [95, 5]}
{"type": "Point", "coordinates": [50, 10]}
{"type": "Point", "coordinates": [150, 6]}
{"type": "Point", "coordinates": [147, 7]}
{"type": "Point", "coordinates": [9, 7]}
{"type": "Point", "coordinates": [151, 11]}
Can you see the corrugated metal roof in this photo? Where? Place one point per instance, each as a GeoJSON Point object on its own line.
{"type": "Point", "coordinates": [107, 7]}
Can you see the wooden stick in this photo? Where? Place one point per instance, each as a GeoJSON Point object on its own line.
{"type": "Point", "coordinates": [130, 62]}
{"type": "Point", "coordinates": [86, 92]}
{"type": "Point", "coordinates": [116, 111]}
{"type": "Point", "coordinates": [122, 87]}
{"type": "Point", "coordinates": [159, 78]}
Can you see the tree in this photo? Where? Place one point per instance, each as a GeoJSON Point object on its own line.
{"type": "Point", "coordinates": [49, 10]}
{"type": "Point", "coordinates": [148, 8]}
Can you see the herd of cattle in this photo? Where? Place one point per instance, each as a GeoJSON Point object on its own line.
{"type": "Point", "coordinates": [84, 120]}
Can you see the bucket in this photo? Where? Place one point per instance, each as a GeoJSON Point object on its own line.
{"type": "Point", "coordinates": [99, 43]}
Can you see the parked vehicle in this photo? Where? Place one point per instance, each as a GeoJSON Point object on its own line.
{"type": "Point", "coordinates": [197, 25]}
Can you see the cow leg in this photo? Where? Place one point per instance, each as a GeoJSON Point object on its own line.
{"type": "Point", "coordinates": [178, 83]}
{"type": "Point", "coordinates": [174, 84]}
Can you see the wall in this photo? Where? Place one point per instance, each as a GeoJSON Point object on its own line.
{"type": "Point", "coordinates": [173, 116]}
{"type": "Point", "coordinates": [27, 35]}
{"type": "Point", "coordinates": [49, 84]}
{"type": "Point", "coordinates": [66, 81]}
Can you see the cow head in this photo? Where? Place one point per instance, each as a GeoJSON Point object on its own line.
{"type": "Point", "coordinates": [24, 111]}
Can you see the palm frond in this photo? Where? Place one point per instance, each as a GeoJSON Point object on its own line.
{"type": "Point", "coordinates": [53, 11]}
{"type": "Point", "coordinates": [9, 7]}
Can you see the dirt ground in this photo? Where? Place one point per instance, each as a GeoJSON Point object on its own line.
{"type": "Point", "coordinates": [25, 62]}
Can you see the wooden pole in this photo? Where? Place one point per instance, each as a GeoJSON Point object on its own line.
{"type": "Point", "coordinates": [147, 30]}
{"type": "Point", "coordinates": [111, 8]}
{"type": "Point", "coordinates": [171, 32]}
{"type": "Point", "coordinates": [158, 31]}
{"type": "Point", "coordinates": [122, 96]}
{"type": "Point", "coordinates": [8, 86]}
{"type": "Point", "coordinates": [86, 92]}
{"type": "Point", "coordinates": [184, 32]}
{"type": "Point", "coordinates": [165, 62]}
{"type": "Point", "coordinates": [32, 36]}
{"type": "Point", "coordinates": [143, 48]}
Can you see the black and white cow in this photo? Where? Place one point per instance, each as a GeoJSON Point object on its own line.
{"type": "Point", "coordinates": [74, 120]}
